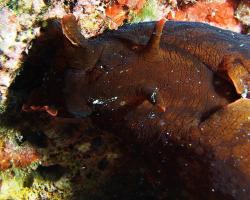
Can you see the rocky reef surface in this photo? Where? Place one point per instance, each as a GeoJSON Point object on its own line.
{"type": "Point", "coordinates": [43, 158]}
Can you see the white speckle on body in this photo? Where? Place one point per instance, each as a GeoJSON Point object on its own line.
{"type": "Point", "coordinates": [105, 101]}
{"type": "Point", "coordinates": [122, 103]}
{"type": "Point", "coordinates": [97, 101]}
{"type": "Point", "coordinates": [244, 94]}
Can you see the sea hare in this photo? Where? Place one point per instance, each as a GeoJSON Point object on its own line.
{"type": "Point", "coordinates": [183, 82]}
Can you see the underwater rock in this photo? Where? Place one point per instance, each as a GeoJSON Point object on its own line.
{"type": "Point", "coordinates": [13, 156]}
{"type": "Point", "coordinates": [216, 13]}
{"type": "Point", "coordinates": [243, 12]}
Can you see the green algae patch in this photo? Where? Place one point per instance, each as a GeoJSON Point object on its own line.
{"type": "Point", "coordinates": [84, 147]}
{"type": "Point", "coordinates": [29, 184]}
{"type": "Point", "coordinates": [25, 6]}
{"type": "Point", "coordinates": [150, 12]}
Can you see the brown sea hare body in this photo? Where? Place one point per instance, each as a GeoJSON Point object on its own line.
{"type": "Point", "coordinates": [180, 82]}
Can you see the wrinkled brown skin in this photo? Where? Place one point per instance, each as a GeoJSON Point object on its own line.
{"type": "Point", "coordinates": [183, 83]}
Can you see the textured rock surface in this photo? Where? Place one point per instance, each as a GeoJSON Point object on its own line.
{"type": "Point", "coordinates": [243, 12]}
{"type": "Point", "coordinates": [65, 159]}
